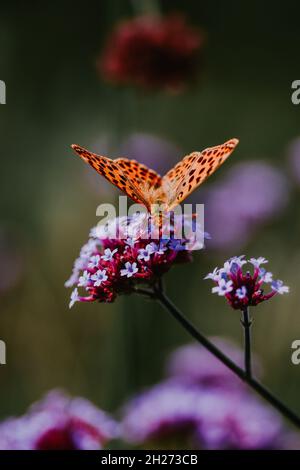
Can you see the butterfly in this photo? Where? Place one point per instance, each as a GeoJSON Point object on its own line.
{"type": "Point", "coordinates": [145, 186]}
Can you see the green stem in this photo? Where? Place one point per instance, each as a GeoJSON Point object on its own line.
{"type": "Point", "coordinates": [246, 322]}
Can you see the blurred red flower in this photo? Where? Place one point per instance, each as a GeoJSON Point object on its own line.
{"type": "Point", "coordinates": [153, 52]}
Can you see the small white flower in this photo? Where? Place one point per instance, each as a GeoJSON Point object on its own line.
{"type": "Point", "coordinates": [238, 260]}
{"type": "Point", "coordinates": [80, 263]}
{"type": "Point", "coordinates": [74, 298]}
{"type": "Point", "coordinates": [278, 287]}
{"type": "Point", "coordinates": [154, 246]}
{"type": "Point", "coordinates": [130, 242]}
{"type": "Point", "coordinates": [99, 232]}
{"type": "Point", "coordinates": [227, 266]}
{"type": "Point", "coordinates": [163, 246]}
{"type": "Point", "coordinates": [73, 279]}
{"type": "Point", "coordinates": [84, 279]}
{"type": "Point", "coordinates": [145, 253]}
{"type": "Point", "coordinates": [223, 287]}
{"type": "Point", "coordinates": [241, 293]}
{"type": "Point", "coordinates": [94, 232]}
{"type": "Point", "coordinates": [88, 248]}
{"type": "Point", "coordinates": [214, 275]}
{"type": "Point", "coordinates": [258, 261]}
{"type": "Point", "coordinates": [235, 260]}
{"type": "Point", "coordinates": [109, 254]}
{"type": "Point", "coordinates": [265, 276]}
{"type": "Point", "coordinates": [99, 277]}
{"type": "Point", "coordinates": [94, 261]}
{"type": "Point", "coordinates": [217, 275]}
{"type": "Point", "coordinates": [130, 269]}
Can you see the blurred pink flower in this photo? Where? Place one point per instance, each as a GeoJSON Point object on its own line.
{"type": "Point", "coordinates": [152, 53]}
{"type": "Point", "coordinates": [58, 422]}
{"type": "Point", "coordinates": [249, 196]}
{"type": "Point", "coordinates": [200, 418]}
{"type": "Point", "coordinates": [194, 364]}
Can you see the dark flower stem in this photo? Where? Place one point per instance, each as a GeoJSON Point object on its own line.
{"type": "Point", "coordinates": [246, 322]}
{"type": "Point", "coordinates": [253, 383]}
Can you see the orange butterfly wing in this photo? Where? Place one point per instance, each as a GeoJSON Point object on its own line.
{"type": "Point", "coordinates": [141, 174]}
{"type": "Point", "coordinates": [193, 170]}
{"type": "Point", "coordinates": [144, 185]}
{"type": "Point", "coordinates": [128, 175]}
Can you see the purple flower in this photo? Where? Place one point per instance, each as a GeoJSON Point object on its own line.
{"type": "Point", "coordinates": [145, 253]}
{"type": "Point", "coordinates": [58, 422]}
{"type": "Point", "coordinates": [241, 292]}
{"type": "Point", "coordinates": [194, 364]}
{"type": "Point", "coordinates": [200, 418]}
{"type": "Point", "coordinates": [109, 254]}
{"type": "Point", "coordinates": [164, 410]}
{"type": "Point", "coordinates": [244, 289]}
{"type": "Point", "coordinates": [84, 279]}
{"type": "Point", "coordinates": [94, 261]}
{"type": "Point", "coordinates": [130, 269]}
{"type": "Point", "coordinates": [266, 275]}
{"type": "Point", "coordinates": [252, 194]}
{"type": "Point", "coordinates": [121, 255]}
{"type": "Point", "coordinates": [258, 261]}
{"type": "Point", "coordinates": [130, 242]}
{"type": "Point", "coordinates": [239, 421]}
{"type": "Point", "coordinates": [278, 287]}
{"type": "Point", "coordinates": [74, 296]}
{"type": "Point", "coordinates": [223, 287]}
{"type": "Point", "coordinates": [99, 277]}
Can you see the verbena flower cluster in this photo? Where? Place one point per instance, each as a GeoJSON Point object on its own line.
{"type": "Point", "coordinates": [152, 52]}
{"type": "Point", "coordinates": [244, 289]}
{"type": "Point", "coordinates": [58, 422]}
{"type": "Point", "coordinates": [118, 257]}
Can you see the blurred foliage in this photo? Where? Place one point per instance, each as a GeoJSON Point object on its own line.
{"type": "Point", "coordinates": [54, 98]}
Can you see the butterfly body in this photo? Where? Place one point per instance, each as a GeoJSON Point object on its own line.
{"type": "Point", "coordinates": [145, 186]}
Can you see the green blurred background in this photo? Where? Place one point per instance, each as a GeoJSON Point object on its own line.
{"type": "Point", "coordinates": [55, 98]}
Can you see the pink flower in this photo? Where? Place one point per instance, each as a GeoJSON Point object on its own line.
{"type": "Point", "coordinates": [193, 364]}
{"type": "Point", "coordinates": [152, 52]}
{"type": "Point", "coordinates": [200, 418]}
{"type": "Point", "coordinates": [113, 264]}
{"type": "Point", "coordinates": [245, 289]}
{"type": "Point", "coordinates": [58, 422]}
